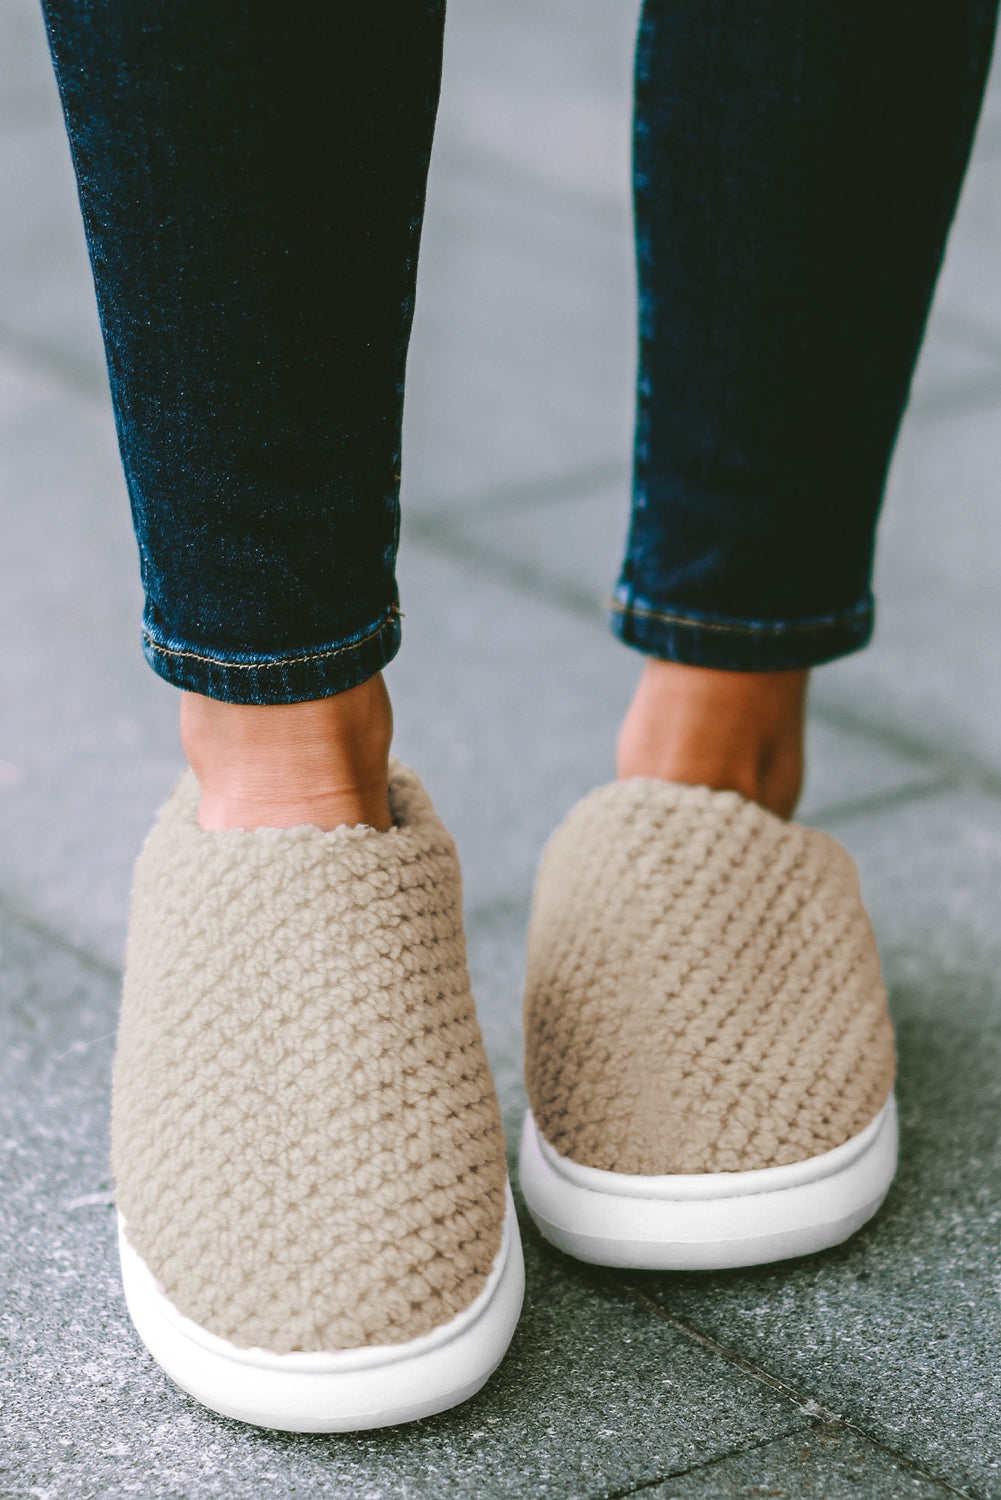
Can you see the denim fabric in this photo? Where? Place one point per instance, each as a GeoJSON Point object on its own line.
{"type": "Point", "coordinates": [252, 182]}
{"type": "Point", "coordinates": [796, 168]}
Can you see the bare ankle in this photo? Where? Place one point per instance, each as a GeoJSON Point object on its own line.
{"type": "Point", "coordinates": [738, 731]}
{"type": "Point", "coordinates": [323, 762]}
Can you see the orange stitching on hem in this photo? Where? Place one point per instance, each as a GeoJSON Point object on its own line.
{"type": "Point", "coordinates": [778, 628]}
{"type": "Point", "coordinates": [394, 613]}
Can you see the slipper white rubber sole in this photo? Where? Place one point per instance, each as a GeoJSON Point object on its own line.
{"type": "Point", "coordinates": [347, 1390]}
{"type": "Point", "coordinates": [709, 1221]}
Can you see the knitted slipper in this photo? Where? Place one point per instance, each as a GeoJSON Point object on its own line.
{"type": "Point", "coordinates": [316, 1231]}
{"type": "Point", "coordinates": [709, 1056]}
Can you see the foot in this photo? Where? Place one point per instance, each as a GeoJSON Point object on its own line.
{"type": "Point", "coordinates": [709, 1057]}
{"type": "Point", "coordinates": [323, 763]}
{"type": "Point", "coordinates": [316, 1233]}
{"type": "Point", "coordinates": [731, 731]}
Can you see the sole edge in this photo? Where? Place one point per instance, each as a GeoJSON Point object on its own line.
{"type": "Point", "coordinates": [727, 1230]}
{"type": "Point", "coordinates": [339, 1392]}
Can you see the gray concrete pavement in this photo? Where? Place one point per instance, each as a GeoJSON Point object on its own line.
{"type": "Point", "coordinates": [871, 1371]}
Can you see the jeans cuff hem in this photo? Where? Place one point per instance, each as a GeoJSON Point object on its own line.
{"type": "Point", "coordinates": [739, 645]}
{"type": "Point", "coordinates": [294, 677]}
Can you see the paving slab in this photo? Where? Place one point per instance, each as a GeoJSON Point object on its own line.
{"type": "Point", "coordinates": [569, 535]}
{"type": "Point", "coordinates": [846, 770]}
{"type": "Point", "coordinates": [970, 279]}
{"type": "Point", "coordinates": [510, 708]}
{"type": "Point", "coordinates": [931, 672]}
{"type": "Point", "coordinates": [522, 357]}
{"type": "Point", "coordinates": [47, 307]}
{"type": "Point", "coordinates": [596, 1396]}
{"type": "Point", "coordinates": [566, 547]}
{"type": "Point", "coordinates": [507, 692]}
{"type": "Point", "coordinates": [521, 361]}
{"type": "Point", "coordinates": [507, 704]}
{"type": "Point", "coordinates": [91, 746]}
{"type": "Point", "coordinates": [543, 89]}
{"type": "Point", "coordinates": [28, 96]}
{"type": "Point", "coordinates": [820, 1464]}
{"type": "Point", "coordinates": [989, 130]}
{"type": "Point", "coordinates": [88, 737]}
{"type": "Point", "coordinates": [959, 368]}
{"type": "Point", "coordinates": [898, 1330]}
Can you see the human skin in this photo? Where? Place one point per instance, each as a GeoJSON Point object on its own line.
{"type": "Point", "coordinates": [739, 731]}
{"type": "Point", "coordinates": [325, 762]}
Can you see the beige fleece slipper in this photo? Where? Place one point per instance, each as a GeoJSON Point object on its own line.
{"type": "Point", "coordinates": [709, 1057]}
{"type": "Point", "coordinates": [316, 1228]}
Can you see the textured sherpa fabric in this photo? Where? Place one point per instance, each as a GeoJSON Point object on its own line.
{"type": "Point", "coordinates": [703, 990]}
{"type": "Point", "coordinates": [305, 1136]}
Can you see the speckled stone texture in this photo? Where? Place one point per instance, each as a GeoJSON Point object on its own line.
{"type": "Point", "coordinates": [306, 1139]}
{"type": "Point", "coordinates": [507, 694]}
{"type": "Point", "coordinates": [594, 1398]}
{"type": "Point", "coordinates": [825, 1463]}
{"type": "Point", "coordinates": [899, 1329]}
{"type": "Point", "coordinates": [703, 990]}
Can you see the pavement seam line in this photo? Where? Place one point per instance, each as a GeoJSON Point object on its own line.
{"type": "Point", "coordinates": [523, 495]}
{"type": "Point", "coordinates": [67, 372]}
{"type": "Point", "coordinates": [970, 397]}
{"type": "Point", "coordinates": [708, 1463]}
{"type": "Point", "coordinates": [958, 768]}
{"type": "Point", "coordinates": [806, 1404]}
{"type": "Point", "coordinates": [41, 929]}
{"type": "Point", "coordinates": [518, 575]}
{"type": "Point", "coordinates": [898, 796]}
{"type": "Point", "coordinates": [439, 528]}
{"type": "Point", "coordinates": [446, 538]}
{"type": "Point", "coordinates": [495, 171]}
{"type": "Point", "coordinates": [957, 325]}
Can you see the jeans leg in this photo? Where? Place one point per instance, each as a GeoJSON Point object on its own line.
{"type": "Point", "coordinates": [797, 165]}
{"type": "Point", "coordinates": [252, 175]}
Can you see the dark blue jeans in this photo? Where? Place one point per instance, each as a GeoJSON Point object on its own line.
{"type": "Point", "coordinates": [252, 180]}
